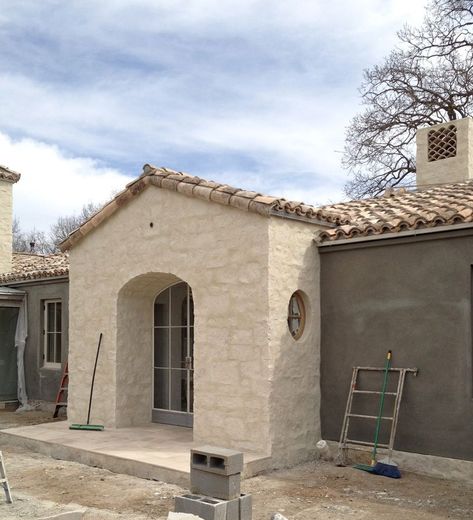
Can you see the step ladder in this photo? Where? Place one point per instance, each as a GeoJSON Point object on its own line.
{"type": "Point", "coordinates": [4, 481]}
{"type": "Point", "coordinates": [61, 398]}
{"type": "Point", "coordinates": [345, 442]}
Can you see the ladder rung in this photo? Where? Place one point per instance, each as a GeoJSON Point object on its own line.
{"type": "Point", "coordinates": [390, 369]}
{"type": "Point", "coordinates": [63, 388]}
{"type": "Point", "coordinates": [61, 404]}
{"type": "Point", "coordinates": [373, 392]}
{"type": "Point", "coordinates": [369, 416]}
{"type": "Point", "coordinates": [363, 443]}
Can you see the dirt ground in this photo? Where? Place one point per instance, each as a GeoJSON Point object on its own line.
{"type": "Point", "coordinates": [43, 486]}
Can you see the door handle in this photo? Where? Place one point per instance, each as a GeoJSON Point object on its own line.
{"type": "Point", "coordinates": [188, 363]}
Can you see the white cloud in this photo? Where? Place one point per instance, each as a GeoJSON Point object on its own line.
{"type": "Point", "coordinates": [256, 93]}
{"type": "Point", "coordinates": [53, 184]}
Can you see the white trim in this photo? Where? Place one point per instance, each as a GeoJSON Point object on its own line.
{"type": "Point", "coordinates": [46, 363]}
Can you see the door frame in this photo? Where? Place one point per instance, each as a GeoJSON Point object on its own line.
{"type": "Point", "coordinates": [15, 304]}
{"type": "Point", "coordinates": [159, 415]}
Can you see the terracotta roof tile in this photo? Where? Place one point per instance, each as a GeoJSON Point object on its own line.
{"type": "Point", "coordinates": [9, 175]}
{"type": "Point", "coordinates": [201, 189]}
{"type": "Point", "coordinates": [399, 211]}
{"type": "Point", "coordinates": [29, 266]}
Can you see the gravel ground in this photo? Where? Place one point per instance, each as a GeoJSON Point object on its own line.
{"type": "Point", "coordinates": [44, 486]}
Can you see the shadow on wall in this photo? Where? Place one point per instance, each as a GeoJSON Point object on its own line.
{"type": "Point", "coordinates": [134, 359]}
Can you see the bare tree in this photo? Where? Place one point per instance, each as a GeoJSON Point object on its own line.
{"type": "Point", "coordinates": [32, 241]}
{"type": "Point", "coordinates": [427, 80]}
{"type": "Point", "coordinates": [39, 242]}
{"type": "Point", "coordinates": [65, 225]}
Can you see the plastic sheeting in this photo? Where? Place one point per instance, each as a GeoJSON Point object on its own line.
{"type": "Point", "coordinates": [20, 343]}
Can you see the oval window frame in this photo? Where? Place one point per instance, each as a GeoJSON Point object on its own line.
{"type": "Point", "coordinates": [297, 334]}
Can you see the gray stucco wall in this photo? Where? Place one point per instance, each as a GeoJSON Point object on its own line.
{"type": "Point", "coordinates": [412, 296]}
{"type": "Point", "coordinates": [43, 383]}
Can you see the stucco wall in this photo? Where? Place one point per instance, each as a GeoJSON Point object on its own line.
{"type": "Point", "coordinates": [6, 212]}
{"type": "Point", "coordinates": [222, 253]}
{"type": "Point", "coordinates": [43, 383]}
{"type": "Point", "coordinates": [295, 389]}
{"type": "Point", "coordinates": [412, 296]}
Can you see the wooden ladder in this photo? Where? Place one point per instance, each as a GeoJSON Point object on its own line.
{"type": "Point", "coordinates": [61, 399]}
{"type": "Point", "coordinates": [345, 442]}
{"type": "Point", "coordinates": [4, 480]}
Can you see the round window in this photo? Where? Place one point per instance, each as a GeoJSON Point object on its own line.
{"type": "Point", "coordinates": [296, 315]}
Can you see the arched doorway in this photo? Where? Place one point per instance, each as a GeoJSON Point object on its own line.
{"type": "Point", "coordinates": [173, 356]}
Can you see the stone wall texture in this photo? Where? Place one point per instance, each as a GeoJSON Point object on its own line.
{"type": "Point", "coordinates": [295, 388]}
{"type": "Point", "coordinates": [256, 389]}
{"type": "Point", "coordinates": [6, 212]}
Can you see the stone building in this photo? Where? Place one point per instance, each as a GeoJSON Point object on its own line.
{"type": "Point", "coordinates": [190, 281]}
{"type": "Point", "coordinates": [38, 284]}
{"type": "Point", "coordinates": [241, 315]}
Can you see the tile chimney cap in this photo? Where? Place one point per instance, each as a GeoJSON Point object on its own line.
{"type": "Point", "coordinates": [9, 175]}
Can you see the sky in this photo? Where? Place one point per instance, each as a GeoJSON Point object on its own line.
{"type": "Point", "coordinates": [253, 93]}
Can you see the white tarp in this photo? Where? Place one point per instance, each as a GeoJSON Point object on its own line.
{"type": "Point", "coordinates": [20, 343]}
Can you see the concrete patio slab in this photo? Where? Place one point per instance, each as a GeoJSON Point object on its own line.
{"type": "Point", "coordinates": [157, 451]}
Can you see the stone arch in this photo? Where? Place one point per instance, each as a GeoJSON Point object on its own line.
{"type": "Point", "coordinates": [134, 346]}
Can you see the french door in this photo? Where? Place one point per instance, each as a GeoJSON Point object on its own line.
{"type": "Point", "coordinates": [8, 354]}
{"type": "Point", "coordinates": [173, 359]}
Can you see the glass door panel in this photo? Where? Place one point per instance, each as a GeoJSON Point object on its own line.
{"type": "Point", "coordinates": [173, 356]}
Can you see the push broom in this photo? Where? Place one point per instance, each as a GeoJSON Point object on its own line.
{"type": "Point", "coordinates": [385, 467]}
{"type": "Point", "coordinates": [88, 426]}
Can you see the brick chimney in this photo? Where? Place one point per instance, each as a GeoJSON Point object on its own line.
{"type": "Point", "coordinates": [445, 153]}
{"type": "Point", "coordinates": [7, 179]}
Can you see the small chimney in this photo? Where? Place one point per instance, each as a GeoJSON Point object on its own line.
{"type": "Point", "coordinates": [7, 179]}
{"type": "Point", "coordinates": [445, 153]}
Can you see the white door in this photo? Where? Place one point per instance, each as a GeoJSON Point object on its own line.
{"type": "Point", "coordinates": [173, 379]}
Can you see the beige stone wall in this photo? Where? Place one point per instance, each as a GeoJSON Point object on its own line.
{"type": "Point", "coordinates": [6, 212]}
{"type": "Point", "coordinates": [116, 272]}
{"type": "Point", "coordinates": [295, 386]}
{"type": "Point", "coordinates": [452, 169]}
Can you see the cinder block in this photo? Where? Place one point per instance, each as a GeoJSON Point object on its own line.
{"type": "Point", "coordinates": [225, 487]}
{"type": "Point", "coordinates": [208, 508]}
{"type": "Point", "coordinates": [233, 509]}
{"type": "Point", "coordinates": [213, 509]}
{"type": "Point", "coordinates": [246, 507]}
{"type": "Point", "coordinates": [217, 460]}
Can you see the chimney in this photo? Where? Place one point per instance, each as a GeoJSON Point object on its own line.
{"type": "Point", "coordinates": [445, 153]}
{"type": "Point", "coordinates": [7, 179]}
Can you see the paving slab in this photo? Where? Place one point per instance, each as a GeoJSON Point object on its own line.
{"type": "Point", "coordinates": [156, 451]}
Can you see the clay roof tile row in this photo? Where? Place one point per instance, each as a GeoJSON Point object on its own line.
{"type": "Point", "coordinates": [29, 266]}
{"type": "Point", "coordinates": [404, 210]}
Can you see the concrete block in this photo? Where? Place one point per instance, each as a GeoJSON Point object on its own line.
{"type": "Point", "coordinates": [225, 487]}
{"type": "Point", "coordinates": [246, 507]}
{"type": "Point", "coordinates": [233, 509]}
{"type": "Point", "coordinates": [208, 508]}
{"type": "Point", "coordinates": [217, 460]}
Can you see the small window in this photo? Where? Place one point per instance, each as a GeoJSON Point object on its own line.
{"type": "Point", "coordinates": [52, 333]}
{"type": "Point", "coordinates": [296, 315]}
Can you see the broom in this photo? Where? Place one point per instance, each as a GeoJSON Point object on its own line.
{"type": "Point", "coordinates": [88, 426]}
{"type": "Point", "coordinates": [385, 467]}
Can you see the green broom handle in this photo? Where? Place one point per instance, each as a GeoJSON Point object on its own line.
{"type": "Point", "coordinates": [381, 406]}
